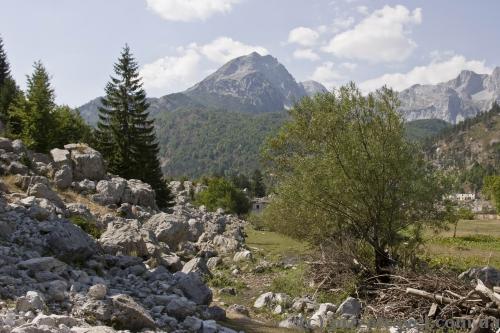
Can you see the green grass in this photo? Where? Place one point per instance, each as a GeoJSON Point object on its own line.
{"type": "Point", "coordinates": [276, 246]}
{"type": "Point", "coordinates": [88, 226]}
{"type": "Point", "coordinates": [477, 244]}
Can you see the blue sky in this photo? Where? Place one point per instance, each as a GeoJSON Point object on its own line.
{"type": "Point", "coordinates": [178, 42]}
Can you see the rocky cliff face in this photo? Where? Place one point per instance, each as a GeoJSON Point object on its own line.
{"type": "Point", "coordinates": [82, 250]}
{"type": "Point", "coordinates": [452, 101]}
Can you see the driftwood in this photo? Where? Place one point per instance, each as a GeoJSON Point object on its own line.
{"type": "Point", "coordinates": [482, 308]}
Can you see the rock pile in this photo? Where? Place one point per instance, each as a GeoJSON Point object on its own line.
{"type": "Point", "coordinates": [144, 272]}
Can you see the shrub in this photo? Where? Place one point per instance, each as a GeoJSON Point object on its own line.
{"type": "Point", "coordinates": [220, 193]}
{"type": "Point", "coordinates": [86, 225]}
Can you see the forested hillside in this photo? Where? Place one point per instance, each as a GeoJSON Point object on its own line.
{"type": "Point", "coordinates": [200, 142]}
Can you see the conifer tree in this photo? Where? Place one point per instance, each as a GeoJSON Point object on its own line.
{"type": "Point", "coordinates": [34, 117]}
{"type": "Point", "coordinates": [125, 133]}
{"type": "Point", "coordinates": [8, 88]}
{"type": "Point", "coordinates": [258, 187]}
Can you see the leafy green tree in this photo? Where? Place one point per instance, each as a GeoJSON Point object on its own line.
{"type": "Point", "coordinates": [221, 193]}
{"type": "Point", "coordinates": [258, 187]}
{"type": "Point", "coordinates": [8, 88]}
{"type": "Point", "coordinates": [70, 127]}
{"type": "Point", "coordinates": [125, 133]}
{"type": "Point", "coordinates": [491, 190]}
{"type": "Point", "coordinates": [348, 176]}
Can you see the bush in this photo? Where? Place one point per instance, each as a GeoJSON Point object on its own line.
{"type": "Point", "coordinates": [86, 225]}
{"type": "Point", "coordinates": [220, 193]}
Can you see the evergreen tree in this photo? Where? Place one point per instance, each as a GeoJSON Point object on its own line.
{"type": "Point", "coordinates": [125, 134]}
{"type": "Point", "coordinates": [8, 88]}
{"type": "Point", "coordinates": [258, 187]}
{"type": "Point", "coordinates": [33, 118]}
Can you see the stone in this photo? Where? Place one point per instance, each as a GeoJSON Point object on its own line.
{"type": "Point", "coordinates": [297, 322]}
{"type": "Point", "coordinates": [56, 290]}
{"type": "Point", "coordinates": [139, 193]}
{"type": "Point", "coordinates": [127, 237]}
{"type": "Point", "coordinates": [490, 276]}
{"type": "Point", "coordinates": [209, 326]}
{"type": "Point", "coordinates": [85, 186]}
{"type": "Point", "coordinates": [6, 144]}
{"type": "Point", "coordinates": [87, 162]}
{"type": "Point", "coordinates": [181, 307]}
{"type": "Point", "coordinates": [244, 255]}
{"type": "Point", "coordinates": [130, 315]}
{"type": "Point", "coordinates": [61, 157]}
{"type": "Point", "coordinates": [54, 320]}
{"type": "Point", "coordinates": [192, 324]}
{"type": "Point", "coordinates": [321, 317]}
{"type": "Point", "coordinates": [168, 228]}
{"type": "Point", "coordinates": [193, 287]}
{"type": "Point", "coordinates": [171, 261]}
{"type": "Point", "coordinates": [33, 301]}
{"type": "Point", "coordinates": [16, 167]}
{"type": "Point", "coordinates": [350, 308]}
{"type": "Point", "coordinates": [41, 190]}
{"type": "Point", "coordinates": [97, 291]}
{"type": "Point", "coordinates": [63, 177]}
{"type": "Point", "coordinates": [213, 262]}
{"type": "Point", "coordinates": [264, 300]}
{"type": "Point", "coordinates": [225, 244]}
{"type": "Point", "coordinates": [196, 265]}
{"type": "Point", "coordinates": [239, 309]}
{"type": "Point", "coordinates": [110, 191]}
{"type": "Point", "coordinates": [49, 264]}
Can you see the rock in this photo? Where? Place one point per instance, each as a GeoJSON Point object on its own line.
{"type": "Point", "coordinates": [127, 237]}
{"type": "Point", "coordinates": [41, 190]}
{"type": "Point", "coordinates": [303, 304]}
{"type": "Point", "coordinates": [33, 301]}
{"type": "Point", "coordinates": [227, 291]}
{"type": "Point", "coordinates": [49, 264]}
{"type": "Point", "coordinates": [97, 291]}
{"type": "Point", "coordinates": [490, 276]}
{"type": "Point", "coordinates": [192, 324]}
{"type": "Point", "coordinates": [54, 320]}
{"type": "Point", "coordinates": [350, 308]}
{"type": "Point", "coordinates": [225, 244]}
{"type": "Point", "coordinates": [171, 261]}
{"type": "Point", "coordinates": [193, 287]}
{"type": "Point", "coordinates": [244, 255]}
{"type": "Point", "coordinates": [130, 315]}
{"type": "Point", "coordinates": [213, 262]}
{"type": "Point", "coordinates": [110, 191]}
{"type": "Point", "coordinates": [61, 157]}
{"type": "Point", "coordinates": [94, 329]}
{"type": "Point", "coordinates": [264, 300]}
{"type": "Point", "coordinates": [278, 309]}
{"type": "Point", "coordinates": [196, 265]}
{"type": "Point", "coordinates": [139, 193]}
{"type": "Point", "coordinates": [297, 322]}
{"type": "Point", "coordinates": [209, 326]}
{"type": "Point", "coordinates": [6, 144]}
{"type": "Point", "coordinates": [63, 177]}
{"type": "Point", "coordinates": [168, 228]}
{"type": "Point", "coordinates": [87, 162]}
{"type": "Point", "coordinates": [239, 309]}
{"type": "Point", "coordinates": [66, 241]}
{"type": "Point", "coordinates": [17, 168]}
{"type": "Point", "coordinates": [321, 317]}
{"type": "Point", "coordinates": [181, 307]}
{"type": "Point", "coordinates": [282, 299]}
{"type": "Point", "coordinates": [78, 209]}
{"type": "Point", "coordinates": [85, 186]}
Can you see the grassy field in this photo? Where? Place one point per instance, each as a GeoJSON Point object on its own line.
{"type": "Point", "coordinates": [477, 243]}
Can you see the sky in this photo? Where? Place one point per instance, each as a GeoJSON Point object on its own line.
{"type": "Point", "coordinates": [179, 42]}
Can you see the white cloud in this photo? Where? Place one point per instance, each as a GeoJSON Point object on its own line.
{"type": "Point", "coordinates": [189, 10]}
{"type": "Point", "coordinates": [363, 10]}
{"type": "Point", "coordinates": [349, 66]}
{"type": "Point", "coordinates": [340, 24]}
{"type": "Point", "coordinates": [436, 71]}
{"type": "Point", "coordinates": [327, 74]}
{"type": "Point", "coordinates": [172, 73]}
{"type": "Point", "coordinates": [306, 54]}
{"type": "Point", "coordinates": [178, 72]}
{"type": "Point", "coordinates": [303, 36]}
{"type": "Point", "coordinates": [380, 37]}
{"type": "Point", "coordinates": [223, 49]}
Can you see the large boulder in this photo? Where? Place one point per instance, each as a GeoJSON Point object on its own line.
{"type": "Point", "coordinates": [350, 308]}
{"type": "Point", "coordinates": [126, 237]}
{"type": "Point", "coordinates": [296, 322]}
{"type": "Point", "coordinates": [168, 228]}
{"type": "Point", "coordinates": [196, 265]}
{"type": "Point", "coordinates": [87, 162]}
{"type": "Point", "coordinates": [139, 193]}
{"type": "Point", "coordinates": [33, 301]}
{"type": "Point", "coordinates": [323, 315]}
{"type": "Point", "coordinates": [193, 287]}
{"type": "Point", "coordinates": [129, 315]}
{"type": "Point", "coordinates": [110, 191]}
{"type": "Point", "coordinates": [63, 177]}
{"type": "Point", "coordinates": [61, 157]}
{"type": "Point", "coordinates": [41, 190]}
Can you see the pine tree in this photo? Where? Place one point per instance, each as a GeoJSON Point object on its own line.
{"type": "Point", "coordinates": [258, 187]}
{"type": "Point", "coordinates": [125, 134]}
{"type": "Point", "coordinates": [33, 116]}
{"type": "Point", "coordinates": [8, 88]}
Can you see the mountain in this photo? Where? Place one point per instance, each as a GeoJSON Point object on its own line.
{"type": "Point", "coordinates": [470, 148]}
{"type": "Point", "coordinates": [251, 83]}
{"type": "Point", "coordinates": [453, 101]}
